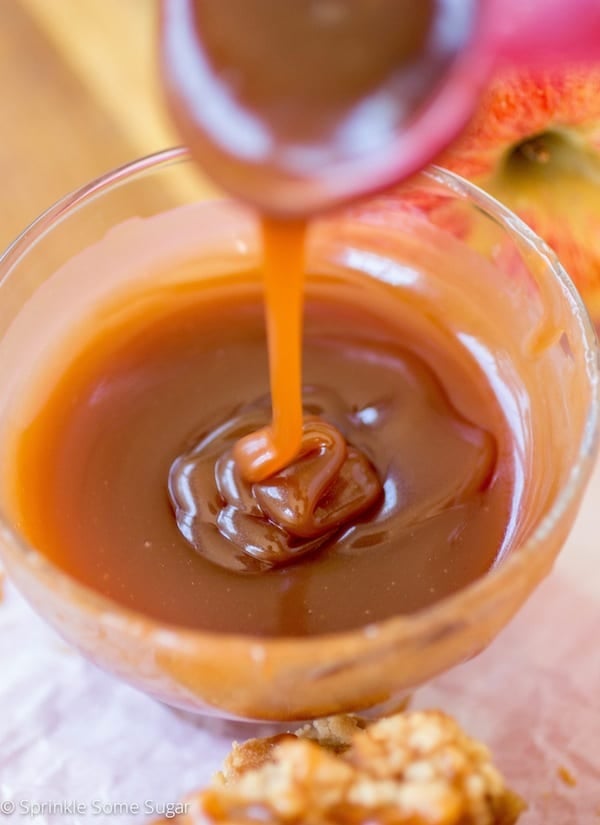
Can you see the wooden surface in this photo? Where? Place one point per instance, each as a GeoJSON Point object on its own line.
{"type": "Point", "coordinates": [79, 95]}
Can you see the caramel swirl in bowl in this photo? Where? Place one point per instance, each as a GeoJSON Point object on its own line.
{"type": "Point", "coordinates": [329, 484]}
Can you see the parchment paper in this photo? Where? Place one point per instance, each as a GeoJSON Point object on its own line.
{"type": "Point", "coordinates": [76, 746]}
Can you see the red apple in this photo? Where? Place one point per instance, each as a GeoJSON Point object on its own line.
{"type": "Point", "coordinates": [535, 145]}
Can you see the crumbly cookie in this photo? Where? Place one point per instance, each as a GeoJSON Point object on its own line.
{"type": "Point", "coordinates": [333, 732]}
{"type": "Point", "coordinates": [415, 768]}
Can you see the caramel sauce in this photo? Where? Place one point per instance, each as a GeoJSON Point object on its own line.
{"type": "Point", "coordinates": [176, 377]}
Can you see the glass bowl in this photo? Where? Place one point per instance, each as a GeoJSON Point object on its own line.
{"type": "Point", "coordinates": [460, 258]}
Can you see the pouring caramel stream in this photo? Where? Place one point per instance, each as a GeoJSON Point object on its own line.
{"type": "Point", "coordinates": [298, 474]}
{"type": "Point", "coordinates": [272, 448]}
{"type": "Point", "coordinates": [262, 105]}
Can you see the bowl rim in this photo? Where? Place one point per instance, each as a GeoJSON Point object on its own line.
{"type": "Point", "coordinates": [474, 598]}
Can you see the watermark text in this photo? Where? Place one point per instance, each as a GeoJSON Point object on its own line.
{"type": "Point", "coordinates": [94, 807]}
